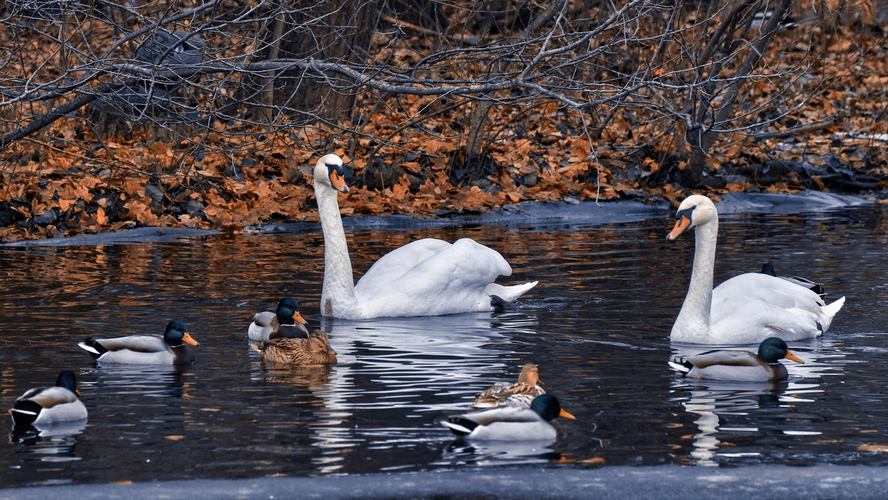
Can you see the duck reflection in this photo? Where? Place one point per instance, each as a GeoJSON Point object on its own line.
{"type": "Point", "coordinates": [310, 377]}
{"type": "Point", "coordinates": [125, 395]}
{"type": "Point", "coordinates": [453, 336]}
{"type": "Point", "coordinates": [500, 453]}
{"type": "Point", "coordinates": [726, 411]}
{"type": "Point", "coordinates": [399, 362]}
{"type": "Point", "coordinates": [712, 400]}
{"type": "Point", "coordinates": [174, 381]}
{"type": "Point", "coordinates": [47, 442]}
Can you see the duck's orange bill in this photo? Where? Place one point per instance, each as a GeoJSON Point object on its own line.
{"type": "Point", "coordinates": [793, 357]}
{"type": "Point", "coordinates": [338, 182]}
{"type": "Point", "coordinates": [680, 226]}
{"type": "Point", "coordinates": [298, 318]}
{"type": "Point", "coordinates": [565, 414]}
{"type": "Point", "coordinates": [77, 392]}
{"type": "Point", "coordinates": [188, 340]}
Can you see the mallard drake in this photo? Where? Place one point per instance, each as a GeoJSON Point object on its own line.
{"type": "Point", "coordinates": [745, 309]}
{"type": "Point", "coordinates": [739, 365]}
{"type": "Point", "coordinates": [303, 352]}
{"type": "Point", "coordinates": [519, 394]}
{"type": "Point", "coordinates": [285, 322]}
{"type": "Point", "coordinates": [509, 423]}
{"type": "Point", "coordinates": [145, 349]}
{"type": "Point", "coordinates": [428, 277]}
{"type": "Point", "coordinates": [47, 405]}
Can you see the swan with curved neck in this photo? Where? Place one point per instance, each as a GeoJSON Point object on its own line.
{"type": "Point", "coordinates": [745, 309]}
{"type": "Point", "coordinates": [427, 277]}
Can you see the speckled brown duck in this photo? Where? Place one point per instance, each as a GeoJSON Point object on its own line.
{"type": "Point", "coordinates": [314, 350]}
{"type": "Point", "coordinates": [519, 394]}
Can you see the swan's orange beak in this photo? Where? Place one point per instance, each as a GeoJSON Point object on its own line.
{"type": "Point", "coordinates": [188, 340]}
{"type": "Point", "coordinates": [338, 182]}
{"type": "Point", "coordinates": [566, 415]}
{"type": "Point", "coordinates": [680, 225]}
{"type": "Point", "coordinates": [793, 357]}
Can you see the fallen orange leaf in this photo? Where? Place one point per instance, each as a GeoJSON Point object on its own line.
{"type": "Point", "coordinates": [872, 447]}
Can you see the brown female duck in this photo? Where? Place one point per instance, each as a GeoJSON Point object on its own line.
{"type": "Point", "coordinates": [303, 352]}
{"type": "Point", "coordinates": [518, 394]}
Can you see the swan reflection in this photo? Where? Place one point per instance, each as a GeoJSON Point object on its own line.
{"type": "Point", "coordinates": [427, 365]}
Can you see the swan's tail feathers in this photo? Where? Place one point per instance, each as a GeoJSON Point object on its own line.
{"type": "Point", "coordinates": [830, 311]}
{"type": "Point", "coordinates": [835, 307]}
{"type": "Point", "coordinates": [681, 366]}
{"type": "Point", "coordinates": [509, 293]}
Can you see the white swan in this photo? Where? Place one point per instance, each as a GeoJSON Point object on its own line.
{"type": "Point", "coordinates": [745, 309]}
{"type": "Point", "coordinates": [428, 277]}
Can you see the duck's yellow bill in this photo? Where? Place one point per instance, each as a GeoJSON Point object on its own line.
{"type": "Point", "coordinates": [793, 357]}
{"type": "Point", "coordinates": [298, 318]}
{"type": "Point", "coordinates": [188, 340]}
{"type": "Point", "coordinates": [567, 415]}
{"type": "Point", "coordinates": [77, 392]}
{"type": "Point", "coordinates": [680, 226]}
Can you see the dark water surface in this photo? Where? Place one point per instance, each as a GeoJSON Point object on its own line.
{"type": "Point", "coordinates": [597, 325]}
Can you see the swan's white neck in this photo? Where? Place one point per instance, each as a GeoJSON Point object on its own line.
{"type": "Point", "coordinates": [338, 294]}
{"type": "Point", "coordinates": [694, 320]}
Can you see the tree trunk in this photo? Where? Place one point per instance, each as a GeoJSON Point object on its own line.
{"type": "Point", "coordinates": [325, 31]}
{"type": "Point", "coordinates": [702, 139]}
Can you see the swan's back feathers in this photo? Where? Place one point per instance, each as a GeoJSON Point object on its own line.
{"type": "Point", "coordinates": [437, 262]}
{"type": "Point", "coordinates": [394, 264]}
{"type": "Point", "coordinates": [769, 306]}
{"type": "Point", "coordinates": [453, 279]}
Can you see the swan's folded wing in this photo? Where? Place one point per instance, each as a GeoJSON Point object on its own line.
{"type": "Point", "coordinates": [456, 274]}
{"type": "Point", "coordinates": [394, 264]}
{"type": "Point", "coordinates": [774, 291]}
